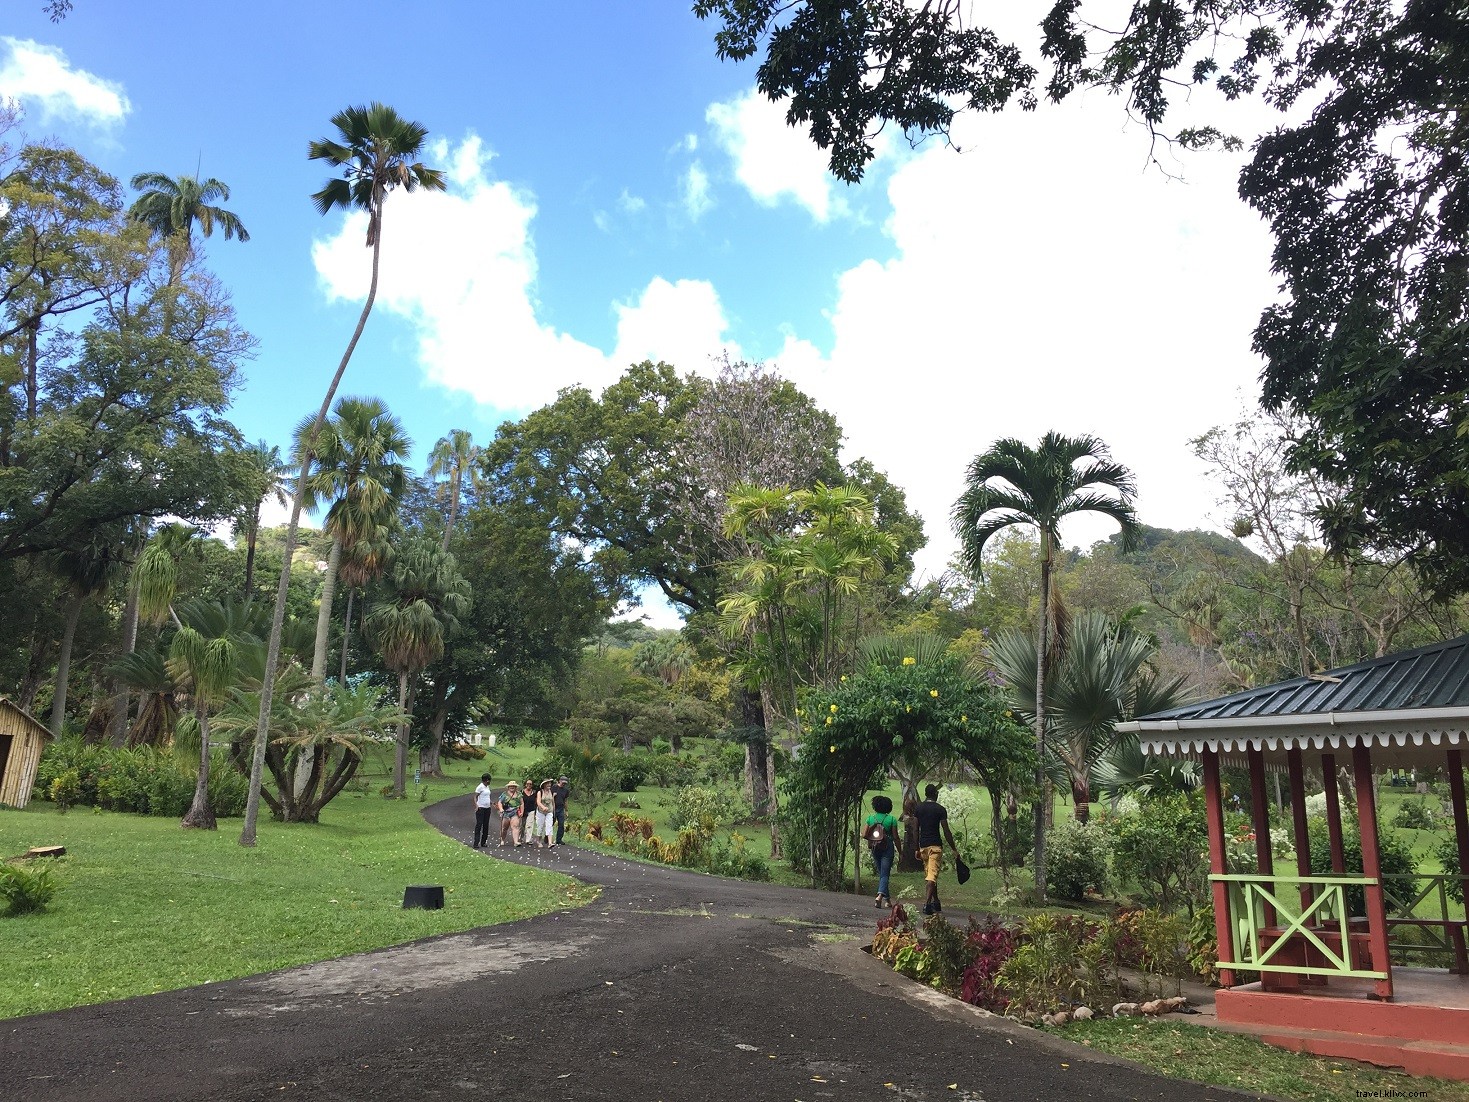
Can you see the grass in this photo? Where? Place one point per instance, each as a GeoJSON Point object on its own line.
{"type": "Point", "coordinates": [145, 906]}
{"type": "Point", "coordinates": [1231, 1060]}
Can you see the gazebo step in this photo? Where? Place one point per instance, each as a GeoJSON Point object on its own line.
{"type": "Point", "coordinates": [1427, 1020]}
{"type": "Point", "coordinates": [1446, 1061]}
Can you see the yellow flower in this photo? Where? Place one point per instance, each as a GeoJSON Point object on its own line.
{"type": "Point", "coordinates": [963, 719]}
{"type": "Point", "coordinates": [910, 661]}
{"type": "Point", "coordinates": [828, 721]}
{"type": "Point", "coordinates": [799, 712]}
{"type": "Point", "coordinates": [833, 709]}
{"type": "Point", "coordinates": [1008, 713]}
{"type": "Point", "coordinates": [933, 692]}
{"type": "Point", "coordinates": [834, 750]}
{"type": "Point", "coordinates": [844, 677]}
{"type": "Point", "coordinates": [907, 707]}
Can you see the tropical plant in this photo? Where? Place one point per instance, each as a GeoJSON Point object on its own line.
{"type": "Point", "coordinates": [1099, 677]}
{"type": "Point", "coordinates": [425, 596]}
{"type": "Point", "coordinates": [455, 457]}
{"type": "Point", "coordinates": [85, 572]}
{"type": "Point", "coordinates": [1015, 484]}
{"type": "Point", "coordinates": [375, 154]}
{"type": "Point", "coordinates": [146, 672]}
{"type": "Point", "coordinates": [358, 468]}
{"type": "Point", "coordinates": [171, 206]}
{"type": "Point", "coordinates": [270, 473]}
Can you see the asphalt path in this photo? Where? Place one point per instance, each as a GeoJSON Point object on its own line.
{"type": "Point", "coordinates": [671, 986]}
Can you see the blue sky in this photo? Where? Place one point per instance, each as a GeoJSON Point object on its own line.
{"type": "Point", "coordinates": [619, 194]}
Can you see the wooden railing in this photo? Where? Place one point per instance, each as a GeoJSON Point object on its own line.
{"type": "Point", "coordinates": [1314, 939]}
{"type": "Point", "coordinates": [1425, 925]}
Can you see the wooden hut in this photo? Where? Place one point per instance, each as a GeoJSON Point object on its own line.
{"type": "Point", "coordinates": [1341, 956]}
{"type": "Point", "coordinates": [21, 738]}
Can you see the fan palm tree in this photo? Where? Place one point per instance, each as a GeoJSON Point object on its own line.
{"type": "Point", "coordinates": [359, 469]}
{"type": "Point", "coordinates": [171, 206]}
{"type": "Point", "coordinates": [270, 474]}
{"type": "Point", "coordinates": [376, 155]}
{"type": "Point", "coordinates": [1015, 484]}
{"type": "Point", "coordinates": [455, 457]}
{"type": "Point", "coordinates": [425, 596]}
{"type": "Point", "coordinates": [146, 673]}
{"type": "Point", "coordinates": [1101, 678]}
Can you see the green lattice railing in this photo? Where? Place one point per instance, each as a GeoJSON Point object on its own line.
{"type": "Point", "coordinates": [1319, 924]}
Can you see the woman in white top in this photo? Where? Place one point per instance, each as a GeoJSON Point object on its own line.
{"type": "Point", "coordinates": [484, 800]}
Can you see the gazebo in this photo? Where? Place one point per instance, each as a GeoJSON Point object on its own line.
{"type": "Point", "coordinates": [1324, 947]}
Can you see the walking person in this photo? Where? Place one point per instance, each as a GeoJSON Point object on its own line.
{"type": "Point", "coordinates": [560, 792]}
{"type": "Point", "coordinates": [484, 801]}
{"type": "Point", "coordinates": [545, 812]}
{"type": "Point", "coordinates": [933, 820]}
{"type": "Point", "coordinates": [510, 813]}
{"type": "Point", "coordinates": [881, 832]}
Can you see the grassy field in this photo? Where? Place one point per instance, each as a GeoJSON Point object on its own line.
{"type": "Point", "coordinates": [145, 906]}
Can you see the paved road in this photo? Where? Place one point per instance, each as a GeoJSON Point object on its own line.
{"type": "Point", "coordinates": [672, 986]}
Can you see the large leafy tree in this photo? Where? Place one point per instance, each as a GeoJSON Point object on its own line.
{"type": "Point", "coordinates": [1014, 484]}
{"type": "Point", "coordinates": [85, 573]}
{"type": "Point", "coordinates": [1366, 193]}
{"type": "Point", "coordinates": [375, 152]}
{"type": "Point", "coordinates": [171, 206]}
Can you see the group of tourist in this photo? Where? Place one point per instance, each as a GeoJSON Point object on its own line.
{"type": "Point", "coordinates": [528, 812]}
{"type": "Point", "coordinates": [932, 821]}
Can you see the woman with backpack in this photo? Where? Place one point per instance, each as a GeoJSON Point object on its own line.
{"type": "Point", "coordinates": [881, 832]}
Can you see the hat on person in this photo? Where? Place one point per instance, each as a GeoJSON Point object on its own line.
{"type": "Point", "coordinates": [561, 778]}
{"type": "Point", "coordinates": [513, 784]}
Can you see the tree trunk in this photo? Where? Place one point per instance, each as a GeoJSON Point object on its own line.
{"type": "Point", "coordinates": [324, 612]}
{"type": "Point", "coordinates": [772, 725]}
{"type": "Point", "coordinates": [1038, 866]}
{"type": "Point", "coordinates": [453, 505]}
{"type": "Point", "coordinates": [347, 634]}
{"type": "Point", "coordinates": [200, 815]}
{"type": "Point", "coordinates": [278, 615]}
{"type": "Point", "coordinates": [429, 757]}
{"type": "Point", "coordinates": [251, 534]}
{"type": "Point", "coordinates": [120, 703]}
{"type": "Point", "coordinates": [63, 664]}
{"type": "Point", "coordinates": [1081, 795]}
{"type": "Point", "coordinates": [400, 747]}
{"type": "Point", "coordinates": [752, 718]}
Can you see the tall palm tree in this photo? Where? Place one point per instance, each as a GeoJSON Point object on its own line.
{"type": "Point", "coordinates": [171, 206]}
{"type": "Point", "coordinates": [455, 457]}
{"type": "Point", "coordinates": [425, 596]}
{"type": "Point", "coordinates": [376, 154]}
{"type": "Point", "coordinates": [270, 473]}
{"type": "Point", "coordinates": [359, 469]}
{"type": "Point", "coordinates": [204, 656]}
{"type": "Point", "coordinates": [1015, 484]}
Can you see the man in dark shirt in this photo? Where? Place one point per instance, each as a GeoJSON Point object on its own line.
{"type": "Point", "coordinates": [933, 820]}
{"type": "Point", "coordinates": [559, 792]}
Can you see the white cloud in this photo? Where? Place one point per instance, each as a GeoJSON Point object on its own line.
{"type": "Point", "coordinates": [681, 323]}
{"type": "Point", "coordinates": [460, 266]}
{"type": "Point", "coordinates": [40, 77]}
{"type": "Point", "coordinates": [773, 160]}
{"type": "Point", "coordinates": [1043, 281]}
{"type": "Point", "coordinates": [630, 204]}
{"type": "Point", "coordinates": [694, 192]}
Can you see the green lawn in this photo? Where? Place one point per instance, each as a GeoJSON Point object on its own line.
{"type": "Point", "coordinates": [145, 906]}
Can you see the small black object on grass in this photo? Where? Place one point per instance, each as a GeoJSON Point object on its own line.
{"type": "Point", "coordinates": [429, 897]}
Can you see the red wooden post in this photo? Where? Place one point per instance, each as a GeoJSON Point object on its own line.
{"type": "Point", "coordinates": [1214, 816]}
{"type": "Point", "coordinates": [1372, 866]}
{"type": "Point", "coordinates": [1333, 814]}
{"type": "Point", "coordinates": [1298, 821]}
{"type": "Point", "coordinates": [1260, 817]}
{"type": "Point", "coordinates": [1461, 816]}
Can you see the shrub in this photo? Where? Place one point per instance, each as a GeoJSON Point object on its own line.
{"type": "Point", "coordinates": [696, 806]}
{"type": "Point", "coordinates": [1397, 860]}
{"type": "Point", "coordinates": [1049, 969]}
{"type": "Point", "coordinates": [1163, 852]}
{"type": "Point", "coordinates": [1076, 859]}
{"type": "Point", "coordinates": [65, 789]}
{"type": "Point", "coordinates": [1447, 852]}
{"type": "Point", "coordinates": [26, 890]}
{"type": "Point", "coordinates": [464, 751]}
{"type": "Point", "coordinates": [1415, 815]}
{"type": "Point", "coordinates": [992, 944]}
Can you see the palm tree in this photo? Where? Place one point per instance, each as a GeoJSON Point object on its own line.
{"type": "Point", "coordinates": [1013, 483]}
{"type": "Point", "coordinates": [156, 574]}
{"type": "Point", "coordinates": [362, 562]}
{"type": "Point", "coordinates": [376, 155]}
{"type": "Point", "coordinates": [359, 469]}
{"type": "Point", "coordinates": [1100, 678]}
{"type": "Point", "coordinates": [426, 595]}
{"type": "Point", "coordinates": [456, 457]}
{"type": "Point", "coordinates": [204, 656]}
{"type": "Point", "coordinates": [171, 206]}
{"type": "Point", "coordinates": [270, 472]}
